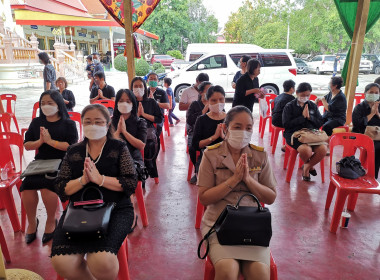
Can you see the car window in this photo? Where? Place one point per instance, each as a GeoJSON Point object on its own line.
{"type": "Point", "coordinates": [211, 62]}
{"type": "Point", "coordinates": [195, 56]}
{"type": "Point", "coordinates": [275, 59]}
{"type": "Point", "coordinates": [236, 56]}
{"type": "Point", "coordinates": [329, 58]}
{"type": "Point", "coordinates": [317, 58]}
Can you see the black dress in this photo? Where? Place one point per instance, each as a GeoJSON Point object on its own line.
{"type": "Point", "coordinates": [69, 96]}
{"type": "Point", "coordinates": [336, 115]}
{"type": "Point", "coordinates": [115, 161]}
{"type": "Point", "coordinates": [63, 130]}
{"type": "Point", "coordinates": [243, 84]}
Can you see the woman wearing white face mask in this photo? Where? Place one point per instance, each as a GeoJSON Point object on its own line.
{"type": "Point", "coordinates": [228, 170]}
{"type": "Point", "coordinates": [149, 110]}
{"type": "Point", "coordinates": [367, 113]}
{"type": "Point", "coordinates": [50, 135]}
{"type": "Point", "coordinates": [299, 114]}
{"type": "Point", "coordinates": [208, 127]}
{"type": "Point", "coordinates": [104, 163]}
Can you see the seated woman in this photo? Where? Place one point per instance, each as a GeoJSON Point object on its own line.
{"type": "Point", "coordinates": [366, 114]}
{"type": "Point", "coordinates": [149, 110]}
{"type": "Point", "coordinates": [208, 127]}
{"type": "Point", "coordinates": [50, 135]}
{"type": "Point", "coordinates": [335, 105]}
{"type": "Point", "coordinates": [127, 125]}
{"type": "Point", "coordinates": [105, 163]}
{"type": "Point", "coordinates": [68, 96]}
{"type": "Point", "coordinates": [229, 170]}
{"type": "Point", "coordinates": [301, 113]}
{"type": "Point", "coordinates": [281, 100]}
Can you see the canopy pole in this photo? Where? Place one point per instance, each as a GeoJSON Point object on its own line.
{"type": "Point", "coordinates": [129, 44]}
{"type": "Point", "coordinates": [355, 56]}
{"type": "Point", "coordinates": [112, 49]}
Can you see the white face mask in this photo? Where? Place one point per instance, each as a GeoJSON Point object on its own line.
{"type": "Point", "coordinates": [94, 132]}
{"type": "Point", "coordinates": [124, 107]}
{"type": "Point", "coordinates": [49, 110]}
{"type": "Point", "coordinates": [372, 97]}
{"type": "Point", "coordinates": [216, 108]}
{"type": "Point", "coordinates": [303, 99]}
{"type": "Point", "coordinates": [139, 92]}
{"type": "Point", "coordinates": [238, 139]}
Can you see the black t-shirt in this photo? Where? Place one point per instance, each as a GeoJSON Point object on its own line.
{"type": "Point", "coordinates": [205, 128]}
{"type": "Point", "coordinates": [237, 76]}
{"type": "Point", "coordinates": [337, 107]}
{"type": "Point", "coordinates": [63, 130]}
{"type": "Point", "coordinates": [279, 105]}
{"type": "Point", "coordinates": [161, 97]}
{"type": "Point", "coordinates": [194, 111]}
{"type": "Point", "coordinates": [242, 85]}
{"type": "Point", "coordinates": [359, 117]}
{"type": "Point", "coordinates": [69, 96]}
{"type": "Point", "coordinates": [98, 68]}
{"type": "Point", "coordinates": [108, 92]}
{"type": "Point", "coordinates": [151, 108]}
{"type": "Point", "coordinates": [90, 68]}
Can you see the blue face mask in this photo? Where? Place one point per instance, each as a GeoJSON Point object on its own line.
{"type": "Point", "coordinates": [153, 84]}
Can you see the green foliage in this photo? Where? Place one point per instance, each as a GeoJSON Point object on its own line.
{"type": "Point", "coordinates": [121, 63]}
{"type": "Point", "coordinates": [175, 54]}
{"type": "Point", "coordinates": [142, 67]}
{"type": "Point", "coordinates": [173, 20]}
{"type": "Point", "coordinates": [158, 68]}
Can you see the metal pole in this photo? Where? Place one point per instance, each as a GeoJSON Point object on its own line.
{"type": "Point", "coordinates": [129, 44]}
{"type": "Point", "coordinates": [112, 50]}
{"type": "Point", "coordinates": [287, 38]}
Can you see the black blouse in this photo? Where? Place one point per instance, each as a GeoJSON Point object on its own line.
{"type": "Point", "coordinates": [115, 161]}
{"type": "Point", "coordinates": [279, 105]}
{"type": "Point", "coordinates": [151, 107]}
{"type": "Point", "coordinates": [293, 119]}
{"type": "Point", "coordinates": [69, 96]}
{"type": "Point", "coordinates": [337, 107]}
{"type": "Point", "coordinates": [63, 130]}
{"type": "Point", "coordinates": [242, 85]}
{"type": "Point", "coordinates": [359, 117]}
{"type": "Point", "coordinates": [194, 111]}
{"type": "Point", "coordinates": [205, 128]}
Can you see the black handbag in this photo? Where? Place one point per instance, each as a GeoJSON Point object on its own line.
{"type": "Point", "coordinates": [350, 168]}
{"type": "Point", "coordinates": [241, 225]}
{"type": "Point", "coordinates": [88, 219]}
{"type": "Point", "coordinates": [142, 172]}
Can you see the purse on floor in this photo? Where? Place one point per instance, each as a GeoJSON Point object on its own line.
{"type": "Point", "coordinates": [88, 218]}
{"type": "Point", "coordinates": [373, 132]}
{"type": "Point", "coordinates": [47, 167]}
{"type": "Point", "coordinates": [311, 137]}
{"type": "Point", "coordinates": [241, 225]}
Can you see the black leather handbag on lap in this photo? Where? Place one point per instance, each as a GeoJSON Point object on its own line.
{"type": "Point", "coordinates": [241, 225]}
{"type": "Point", "coordinates": [88, 219]}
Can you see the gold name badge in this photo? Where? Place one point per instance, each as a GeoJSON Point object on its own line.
{"type": "Point", "coordinates": [258, 168]}
{"type": "Point", "coordinates": [83, 222]}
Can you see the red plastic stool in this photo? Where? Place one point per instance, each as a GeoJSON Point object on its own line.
{"type": "Point", "coordinates": [199, 213]}
{"type": "Point", "coordinates": [141, 204]}
{"type": "Point", "coordinates": [275, 132]}
{"type": "Point", "coordinates": [210, 270]}
{"type": "Point", "coordinates": [291, 156]}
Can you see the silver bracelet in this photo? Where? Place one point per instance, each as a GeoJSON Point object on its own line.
{"type": "Point", "coordinates": [101, 185]}
{"type": "Point", "coordinates": [80, 181]}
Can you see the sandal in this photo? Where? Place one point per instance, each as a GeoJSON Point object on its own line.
{"type": "Point", "coordinates": [135, 224]}
{"type": "Point", "coordinates": [313, 172]}
{"type": "Point", "coordinates": [306, 178]}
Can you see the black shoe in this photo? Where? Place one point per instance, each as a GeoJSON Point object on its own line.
{"type": "Point", "coordinates": [49, 236]}
{"type": "Point", "coordinates": [193, 180]}
{"type": "Point", "coordinates": [306, 178]}
{"type": "Point", "coordinates": [30, 237]}
{"type": "Point", "coordinates": [135, 224]}
{"type": "Point", "coordinates": [313, 172]}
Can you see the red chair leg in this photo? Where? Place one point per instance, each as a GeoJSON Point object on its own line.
{"type": "Point", "coordinates": [4, 247]}
{"type": "Point", "coordinates": [273, 268]}
{"type": "Point", "coordinates": [330, 195]}
{"type": "Point", "coordinates": [275, 134]}
{"type": "Point", "coordinates": [166, 125]}
{"type": "Point", "coordinates": [190, 170]}
{"type": "Point", "coordinates": [156, 180]}
{"type": "Point", "coordinates": [162, 141]}
{"type": "Point", "coordinates": [292, 162]}
{"type": "Point", "coordinates": [260, 123]}
{"type": "Point", "coordinates": [286, 157]}
{"type": "Point", "coordinates": [263, 124]}
{"type": "Point", "coordinates": [352, 201]}
{"type": "Point", "coordinates": [141, 204]}
{"type": "Point", "coordinates": [322, 164]}
{"type": "Point", "coordinates": [338, 209]}
{"type": "Point", "coordinates": [123, 262]}
{"type": "Point", "coordinates": [199, 214]}
{"type": "Point", "coordinates": [23, 218]}
{"type": "Point", "coordinates": [11, 208]}
{"type": "Point", "coordinates": [209, 270]}
{"type": "Point", "coordinates": [16, 124]}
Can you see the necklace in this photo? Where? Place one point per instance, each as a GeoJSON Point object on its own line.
{"type": "Point", "coordinates": [101, 151]}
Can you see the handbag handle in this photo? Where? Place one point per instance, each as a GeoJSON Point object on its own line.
{"type": "Point", "coordinates": [260, 208]}
{"type": "Point", "coordinates": [94, 188]}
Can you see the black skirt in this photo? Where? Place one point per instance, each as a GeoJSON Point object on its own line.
{"type": "Point", "coordinates": [296, 143]}
{"type": "Point", "coordinates": [37, 182]}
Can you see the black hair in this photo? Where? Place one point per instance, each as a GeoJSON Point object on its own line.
{"type": "Point", "coordinates": [245, 58]}
{"type": "Point", "coordinates": [377, 81]}
{"type": "Point", "coordinates": [304, 87]}
{"type": "Point", "coordinates": [252, 64]}
{"type": "Point", "coordinates": [211, 90]}
{"type": "Point", "coordinates": [44, 57]}
{"type": "Point", "coordinates": [116, 112]}
{"type": "Point", "coordinates": [106, 114]}
{"type": "Point", "coordinates": [168, 81]}
{"type": "Point", "coordinates": [100, 75]}
{"type": "Point", "coordinates": [95, 53]}
{"type": "Point", "coordinates": [58, 99]}
{"type": "Point", "coordinates": [203, 85]}
{"type": "Point", "coordinates": [202, 77]}
{"type": "Point", "coordinates": [288, 84]}
{"type": "Point", "coordinates": [234, 111]}
{"type": "Point", "coordinates": [337, 81]}
{"type": "Point", "coordinates": [368, 87]}
{"type": "Point", "coordinates": [144, 83]}
{"type": "Point", "coordinates": [89, 57]}
{"type": "Point", "coordinates": [150, 74]}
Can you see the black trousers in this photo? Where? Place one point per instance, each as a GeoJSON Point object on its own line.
{"type": "Point", "coordinates": [377, 158]}
{"type": "Point", "coordinates": [329, 125]}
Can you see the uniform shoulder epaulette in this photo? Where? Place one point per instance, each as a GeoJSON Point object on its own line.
{"type": "Point", "coordinates": [257, 148]}
{"type": "Point", "coordinates": [212, 147]}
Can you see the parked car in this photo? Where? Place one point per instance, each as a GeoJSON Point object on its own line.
{"type": "Point", "coordinates": [178, 64]}
{"type": "Point", "coordinates": [375, 59]}
{"type": "Point", "coordinates": [364, 67]}
{"type": "Point", "coordinates": [322, 63]}
{"type": "Point", "coordinates": [221, 66]}
{"type": "Point", "coordinates": [164, 59]}
{"type": "Point", "coordinates": [301, 66]}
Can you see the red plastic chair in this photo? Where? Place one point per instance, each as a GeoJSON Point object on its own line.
{"type": "Point", "coordinates": [274, 138]}
{"type": "Point", "coordinates": [291, 156]}
{"type": "Point", "coordinates": [199, 213]}
{"type": "Point", "coordinates": [191, 165]}
{"type": "Point", "coordinates": [269, 99]}
{"type": "Point", "coordinates": [5, 121]}
{"type": "Point", "coordinates": [209, 273]}
{"type": "Point", "coordinates": [76, 117]}
{"type": "Point", "coordinates": [36, 106]}
{"type": "Point", "coordinates": [11, 111]}
{"type": "Point", "coordinates": [106, 102]}
{"type": "Point", "coordinates": [359, 97]}
{"type": "Point", "coordinates": [351, 142]}
{"type": "Point", "coordinates": [6, 140]}
{"type": "Point", "coordinates": [4, 247]}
